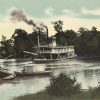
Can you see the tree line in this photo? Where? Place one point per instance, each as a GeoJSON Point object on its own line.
{"type": "Point", "coordinates": [85, 41]}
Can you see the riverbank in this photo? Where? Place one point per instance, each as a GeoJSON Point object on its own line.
{"type": "Point", "coordinates": [84, 95]}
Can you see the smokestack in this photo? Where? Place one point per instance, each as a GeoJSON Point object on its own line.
{"type": "Point", "coordinates": [47, 37]}
{"type": "Point", "coordinates": [39, 37]}
{"type": "Point", "coordinates": [43, 25]}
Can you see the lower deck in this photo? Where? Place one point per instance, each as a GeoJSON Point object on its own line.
{"type": "Point", "coordinates": [51, 57]}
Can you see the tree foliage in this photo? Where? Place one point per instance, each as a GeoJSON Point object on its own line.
{"type": "Point", "coordinates": [67, 37]}
{"type": "Point", "coordinates": [22, 40]}
{"type": "Point", "coordinates": [88, 42]}
{"type": "Point", "coordinates": [58, 26]}
{"type": "Point", "coordinates": [7, 47]}
{"type": "Point", "coordinates": [85, 41]}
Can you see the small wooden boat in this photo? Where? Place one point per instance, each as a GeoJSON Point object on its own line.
{"type": "Point", "coordinates": [10, 77]}
{"type": "Point", "coordinates": [6, 74]}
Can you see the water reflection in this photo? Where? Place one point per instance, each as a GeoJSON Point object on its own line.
{"type": "Point", "coordinates": [86, 73]}
{"type": "Point", "coordinates": [22, 86]}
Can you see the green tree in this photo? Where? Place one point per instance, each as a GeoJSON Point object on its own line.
{"type": "Point", "coordinates": [88, 42]}
{"type": "Point", "coordinates": [68, 37]}
{"type": "Point", "coordinates": [21, 40]}
{"type": "Point", "coordinates": [60, 35]}
{"type": "Point", "coordinates": [58, 26]}
{"type": "Point", "coordinates": [42, 37]}
{"type": "Point", "coordinates": [63, 85]}
{"type": "Point", "coordinates": [7, 47]}
{"type": "Point", "coordinates": [71, 37]}
{"type": "Point", "coordinates": [60, 38]}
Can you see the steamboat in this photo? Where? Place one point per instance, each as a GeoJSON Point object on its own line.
{"type": "Point", "coordinates": [51, 52]}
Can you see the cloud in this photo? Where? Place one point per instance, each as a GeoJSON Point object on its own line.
{"type": "Point", "coordinates": [95, 12]}
{"type": "Point", "coordinates": [63, 12]}
{"type": "Point", "coordinates": [70, 13]}
{"type": "Point", "coordinates": [49, 11]}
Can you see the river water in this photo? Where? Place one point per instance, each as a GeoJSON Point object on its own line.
{"type": "Point", "coordinates": [87, 73]}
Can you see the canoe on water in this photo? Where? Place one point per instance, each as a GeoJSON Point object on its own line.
{"type": "Point", "coordinates": [6, 74]}
{"type": "Point", "coordinates": [10, 77]}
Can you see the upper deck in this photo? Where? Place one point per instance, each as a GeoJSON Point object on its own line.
{"type": "Point", "coordinates": [55, 49]}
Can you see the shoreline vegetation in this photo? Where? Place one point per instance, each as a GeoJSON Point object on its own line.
{"type": "Point", "coordinates": [83, 95]}
{"type": "Point", "coordinates": [62, 87]}
{"type": "Point", "coordinates": [86, 42]}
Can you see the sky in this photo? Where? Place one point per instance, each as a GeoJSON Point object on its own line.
{"type": "Point", "coordinates": [74, 14]}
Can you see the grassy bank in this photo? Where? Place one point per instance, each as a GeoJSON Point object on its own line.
{"type": "Point", "coordinates": [87, 95]}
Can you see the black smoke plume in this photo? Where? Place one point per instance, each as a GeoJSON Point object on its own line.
{"type": "Point", "coordinates": [19, 15]}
